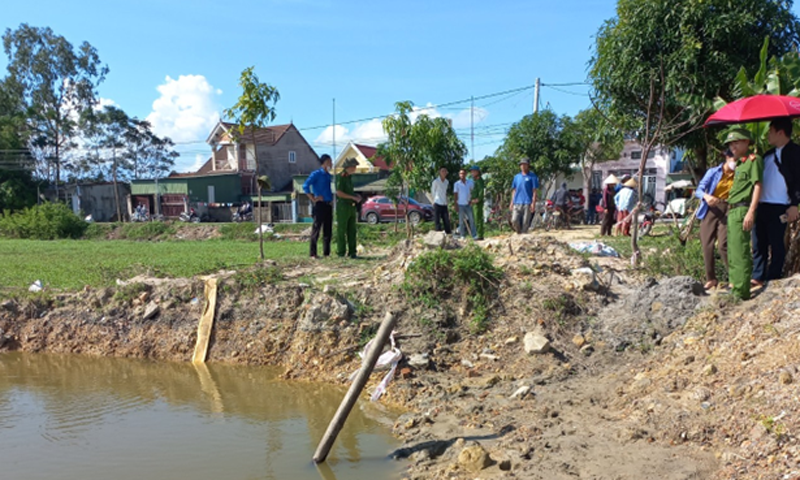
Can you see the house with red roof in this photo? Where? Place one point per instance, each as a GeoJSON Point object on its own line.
{"type": "Point", "coordinates": [368, 161]}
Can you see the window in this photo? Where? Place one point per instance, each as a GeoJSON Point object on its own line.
{"type": "Point", "coordinates": [636, 155]}
{"type": "Point", "coordinates": [651, 154]}
{"type": "Point", "coordinates": [292, 157]}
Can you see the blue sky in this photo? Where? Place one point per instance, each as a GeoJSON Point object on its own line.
{"type": "Point", "coordinates": [177, 62]}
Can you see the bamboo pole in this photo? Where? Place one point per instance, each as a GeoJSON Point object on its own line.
{"type": "Point", "coordinates": [355, 389]}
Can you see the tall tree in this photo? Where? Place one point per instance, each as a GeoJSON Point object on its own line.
{"type": "Point", "coordinates": [254, 109]}
{"type": "Point", "coordinates": [58, 83]}
{"type": "Point", "coordinates": [687, 47]}
{"type": "Point", "coordinates": [17, 189]}
{"type": "Point", "coordinates": [416, 150]}
{"type": "Point", "coordinates": [596, 137]}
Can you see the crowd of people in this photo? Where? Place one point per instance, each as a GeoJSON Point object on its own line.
{"type": "Point", "coordinates": [746, 199]}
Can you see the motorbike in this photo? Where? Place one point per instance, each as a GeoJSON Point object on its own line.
{"type": "Point", "coordinates": [190, 216]}
{"type": "Point", "coordinates": [649, 219]}
{"type": "Point", "coordinates": [243, 217]}
{"type": "Point", "coordinates": [139, 216]}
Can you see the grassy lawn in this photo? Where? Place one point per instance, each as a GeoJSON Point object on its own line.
{"type": "Point", "coordinates": [72, 264]}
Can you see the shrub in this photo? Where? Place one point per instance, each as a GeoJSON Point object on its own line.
{"type": "Point", "coordinates": [146, 230]}
{"type": "Point", "coordinates": [48, 221]}
{"type": "Point", "coordinates": [97, 231]}
{"type": "Point", "coordinates": [239, 231]}
{"type": "Point", "coordinates": [467, 276]}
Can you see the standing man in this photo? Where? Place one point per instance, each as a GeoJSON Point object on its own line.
{"type": "Point", "coordinates": [608, 205]}
{"type": "Point", "coordinates": [777, 206]}
{"type": "Point", "coordinates": [478, 194]}
{"type": "Point", "coordinates": [346, 210]}
{"type": "Point", "coordinates": [713, 192]}
{"type": "Point", "coordinates": [463, 193]}
{"type": "Point", "coordinates": [523, 197]}
{"type": "Point", "coordinates": [318, 190]}
{"type": "Point", "coordinates": [439, 192]}
{"type": "Point", "coordinates": [743, 201]}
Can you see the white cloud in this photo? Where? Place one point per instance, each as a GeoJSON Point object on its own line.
{"type": "Point", "coordinates": [187, 109]}
{"type": "Point", "coordinates": [371, 132]}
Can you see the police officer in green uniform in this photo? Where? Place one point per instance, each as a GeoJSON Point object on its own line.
{"type": "Point", "coordinates": [346, 210]}
{"type": "Point", "coordinates": [477, 199]}
{"type": "Point", "coordinates": [742, 203]}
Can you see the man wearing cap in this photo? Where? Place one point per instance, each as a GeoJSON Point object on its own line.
{"type": "Point", "coordinates": [478, 193]}
{"type": "Point", "coordinates": [346, 210]}
{"type": "Point", "coordinates": [625, 200]}
{"type": "Point", "coordinates": [777, 206]}
{"type": "Point", "coordinates": [462, 191]}
{"type": "Point", "coordinates": [608, 205]}
{"type": "Point", "coordinates": [318, 189]}
{"type": "Point", "coordinates": [523, 197]}
{"type": "Point", "coordinates": [713, 192]}
{"type": "Point", "coordinates": [560, 200]}
{"type": "Point", "coordinates": [742, 205]}
{"type": "Point", "coordinates": [441, 215]}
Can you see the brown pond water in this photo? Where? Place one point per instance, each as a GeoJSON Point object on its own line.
{"type": "Point", "coordinates": [83, 418]}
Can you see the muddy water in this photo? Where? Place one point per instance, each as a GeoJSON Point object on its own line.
{"type": "Point", "coordinates": [69, 417]}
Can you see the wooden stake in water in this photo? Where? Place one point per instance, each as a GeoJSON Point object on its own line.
{"type": "Point", "coordinates": [355, 389]}
{"type": "Point", "coordinates": [206, 322]}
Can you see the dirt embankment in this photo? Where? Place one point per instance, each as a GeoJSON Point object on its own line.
{"type": "Point", "coordinates": [585, 370]}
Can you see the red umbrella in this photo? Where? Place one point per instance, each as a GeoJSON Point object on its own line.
{"type": "Point", "coordinates": [755, 109]}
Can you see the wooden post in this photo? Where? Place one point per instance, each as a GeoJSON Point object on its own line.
{"type": "Point", "coordinates": [355, 389]}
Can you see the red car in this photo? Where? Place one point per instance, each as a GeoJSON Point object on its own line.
{"type": "Point", "coordinates": [380, 209]}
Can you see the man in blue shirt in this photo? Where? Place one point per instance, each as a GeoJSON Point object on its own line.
{"type": "Point", "coordinates": [523, 197]}
{"type": "Point", "coordinates": [318, 189]}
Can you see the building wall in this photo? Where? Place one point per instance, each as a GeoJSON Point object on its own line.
{"type": "Point", "coordinates": [274, 160]}
{"type": "Point", "coordinates": [99, 202]}
{"type": "Point", "coordinates": [659, 163]}
{"type": "Point", "coordinates": [227, 188]}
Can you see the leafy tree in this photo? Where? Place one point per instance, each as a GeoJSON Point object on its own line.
{"type": "Point", "coordinates": [17, 189]}
{"type": "Point", "coordinates": [684, 48]}
{"type": "Point", "coordinates": [254, 109]}
{"type": "Point", "coordinates": [58, 83]}
{"type": "Point", "coordinates": [597, 138]}
{"type": "Point", "coordinates": [417, 150]}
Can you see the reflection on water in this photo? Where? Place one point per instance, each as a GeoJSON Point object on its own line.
{"type": "Point", "coordinates": [71, 417]}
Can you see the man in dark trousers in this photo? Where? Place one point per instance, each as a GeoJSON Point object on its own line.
{"type": "Point", "coordinates": [780, 196]}
{"type": "Point", "coordinates": [318, 189]}
{"type": "Point", "coordinates": [346, 212]}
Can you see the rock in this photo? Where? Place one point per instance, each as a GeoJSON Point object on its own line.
{"type": "Point", "coordinates": [578, 340]}
{"type": "Point", "coordinates": [491, 381]}
{"type": "Point", "coordinates": [785, 377]}
{"type": "Point", "coordinates": [512, 340]}
{"type": "Point", "coordinates": [3, 338]}
{"type": "Point", "coordinates": [709, 370]}
{"type": "Point", "coordinates": [151, 310]}
{"type": "Point", "coordinates": [435, 239]}
{"type": "Point", "coordinates": [536, 343]}
{"type": "Point", "coordinates": [737, 390]}
{"type": "Point", "coordinates": [474, 458]}
{"type": "Point", "coordinates": [419, 360]}
{"type": "Point", "coordinates": [585, 278]}
{"type": "Point", "coordinates": [521, 392]}
{"type": "Point", "coordinates": [467, 363]}
{"type": "Point", "coordinates": [587, 350]}
{"type": "Point", "coordinates": [488, 356]}
{"type": "Point", "coordinates": [504, 464]}
{"type": "Point", "coordinates": [8, 305]}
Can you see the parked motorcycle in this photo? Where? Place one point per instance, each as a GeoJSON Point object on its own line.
{"type": "Point", "coordinates": [243, 217]}
{"type": "Point", "coordinates": [190, 216]}
{"type": "Point", "coordinates": [649, 219]}
{"type": "Point", "coordinates": [139, 216]}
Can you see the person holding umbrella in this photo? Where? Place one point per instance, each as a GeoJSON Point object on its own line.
{"type": "Point", "coordinates": [778, 203]}
{"type": "Point", "coordinates": [743, 199]}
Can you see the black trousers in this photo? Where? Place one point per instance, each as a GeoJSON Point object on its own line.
{"type": "Point", "coordinates": [323, 219]}
{"type": "Point", "coordinates": [769, 248]}
{"type": "Point", "coordinates": [441, 217]}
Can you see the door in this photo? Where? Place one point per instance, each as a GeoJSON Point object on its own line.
{"type": "Point", "coordinates": [211, 192]}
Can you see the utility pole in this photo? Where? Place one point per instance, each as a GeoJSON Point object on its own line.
{"type": "Point", "coordinates": [334, 129]}
{"type": "Point", "coordinates": [536, 95]}
{"type": "Point", "coordinates": [472, 127]}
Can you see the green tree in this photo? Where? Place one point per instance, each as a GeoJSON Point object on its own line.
{"type": "Point", "coordinates": [58, 83]}
{"type": "Point", "coordinates": [17, 188]}
{"type": "Point", "coordinates": [684, 48]}
{"type": "Point", "coordinates": [254, 109]}
{"type": "Point", "coordinates": [417, 150]}
{"type": "Point", "coordinates": [596, 137]}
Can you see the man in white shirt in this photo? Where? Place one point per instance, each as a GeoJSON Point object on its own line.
{"type": "Point", "coordinates": [778, 203]}
{"type": "Point", "coordinates": [463, 194]}
{"type": "Point", "coordinates": [441, 216]}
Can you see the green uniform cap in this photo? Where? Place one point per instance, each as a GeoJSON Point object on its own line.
{"type": "Point", "coordinates": [738, 134]}
{"type": "Point", "coordinates": [350, 162]}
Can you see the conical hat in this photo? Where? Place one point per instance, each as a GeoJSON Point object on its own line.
{"type": "Point", "coordinates": [611, 179]}
{"type": "Point", "coordinates": [631, 183]}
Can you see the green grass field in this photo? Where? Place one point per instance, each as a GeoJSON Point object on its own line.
{"type": "Point", "coordinates": [72, 264]}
